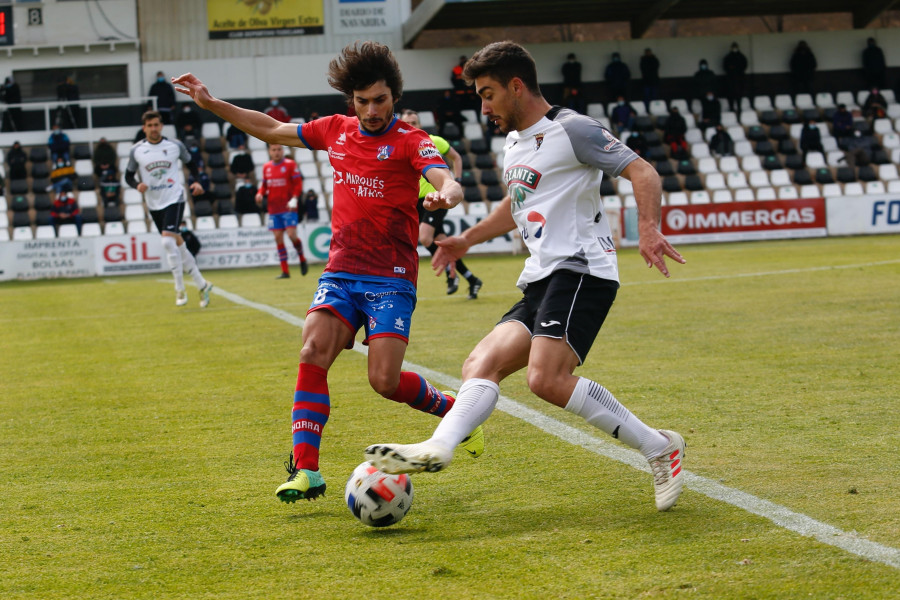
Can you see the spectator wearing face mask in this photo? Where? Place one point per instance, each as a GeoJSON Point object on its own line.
{"type": "Point", "coordinates": [617, 76]}
{"type": "Point", "coordinates": [710, 111]}
{"type": "Point", "coordinates": [165, 97]}
{"type": "Point", "coordinates": [735, 66]}
{"type": "Point", "coordinates": [622, 116]}
{"type": "Point", "coordinates": [704, 80]}
{"type": "Point", "coordinates": [277, 112]}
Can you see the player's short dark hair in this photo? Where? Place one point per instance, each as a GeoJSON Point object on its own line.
{"type": "Point", "coordinates": [408, 111]}
{"type": "Point", "coordinates": [363, 64]}
{"type": "Point", "coordinates": [150, 115]}
{"type": "Point", "coordinates": [503, 61]}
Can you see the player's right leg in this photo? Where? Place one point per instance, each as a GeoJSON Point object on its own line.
{"type": "Point", "coordinates": [275, 226]}
{"type": "Point", "coordinates": [326, 332]}
{"type": "Point", "coordinates": [502, 352]}
{"type": "Point", "coordinates": [167, 221]}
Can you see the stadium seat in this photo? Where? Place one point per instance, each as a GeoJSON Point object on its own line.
{"type": "Point", "coordinates": [722, 197]}
{"type": "Point", "coordinates": [472, 194]}
{"type": "Point", "coordinates": [134, 212]}
{"type": "Point", "coordinates": [729, 164]}
{"type": "Point", "coordinates": [780, 177]}
{"type": "Point", "coordinates": [596, 110]}
{"type": "Point", "coordinates": [611, 202]}
{"type": "Point", "coordinates": [882, 126]}
{"type": "Point", "coordinates": [845, 174]}
{"type": "Point", "coordinates": [91, 230]}
{"type": "Point", "coordinates": [205, 223]}
{"type": "Point", "coordinates": [22, 233]}
{"type": "Point", "coordinates": [671, 184]}
{"type": "Point", "coordinates": [772, 162]}
{"type": "Point", "coordinates": [473, 131]}
{"type": "Point", "coordinates": [707, 165]}
{"type": "Point", "coordinates": [804, 102]}
{"type": "Point", "coordinates": [700, 197]}
{"type": "Point", "coordinates": [44, 232]}
{"type": "Point", "coordinates": [759, 179]}
{"type": "Point", "coordinates": [890, 140]}
{"type": "Point", "coordinates": [875, 187]}
{"type": "Point", "coordinates": [251, 220]}
{"type": "Point", "coordinates": [677, 199]}
{"type": "Point", "coordinates": [87, 199]}
{"type": "Point", "coordinates": [138, 226]}
{"type": "Point", "coordinates": [846, 97]}
{"type": "Point", "coordinates": [478, 209]}
{"type": "Point", "coordinates": [84, 167]}
{"type": "Point", "coordinates": [825, 100]}
{"type": "Point", "coordinates": [743, 148]}
{"type": "Point", "coordinates": [815, 160]}
{"type": "Point", "coordinates": [4, 235]}
{"type": "Point", "coordinates": [67, 231]}
{"type": "Point", "coordinates": [736, 180]}
{"type": "Point", "coordinates": [693, 183]}
{"type": "Point", "coordinates": [888, 172]}
{"type": "Point", "coordinates": [810, 191]}
{"type": "Point", "coordinates": [211, 130]}
{"type": "Point", "coordinates": [700, 150]}
{"type": "Point", "coordinates": [802, 177]}
{"type": "Point", "coordinates": [783, 102]}
{"type": "Point", "coordinates": [867, 173]}
{"type": "Point", "coordinates": [228, 222]}
{"type": "Point", "coordinates": [761, 103]}
{"type": "Point", "coordinates": [764, 148]}
{"type": "Point", "coordinates": [854, 188]}
{"type": "Point", "coordinates": [751, 163]}
{"type": "Point", "coordinates": [756, 133]}
{"type": "Point", "coordinates": [749, 118]}
{"type": "Point", "coordinates": [114, 228]}
{"type": "Point", "coordinates": [663, 169]}
{"type": "Point", "coordinates": [728, 119]}
{"type": "Point", "coordinates": [693, 136]}
{"type": "Point", "coordinates": [823, 176]}
{"type": "Point", "coordinates": [766, 193]}
{"type": "Point", "coordinates": [213, 145]}
{"type": "Point", "coordinates": [658, 108]}
{"type": "Point", "coordinates": [830, 190]}
{"type": "Point", "coordinates": [715, 181]}
{"type": "Point", "coordinates": [788, 192]}
{"type": "Point", "coordinates": [744, 195]}
{"type": "Point", "coordinates": [254, 144]}
{"type": "Point", "coordinates": [21, 219]}
{"type": "Point", "coordinates": [834, 158]}
{"type": "Point", "coordinates": [893, 187]}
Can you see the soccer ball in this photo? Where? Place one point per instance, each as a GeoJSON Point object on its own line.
{"type": "Point", "coordinates": [376, 498]}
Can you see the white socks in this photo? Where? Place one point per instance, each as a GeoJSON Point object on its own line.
{"type": "Point", "coordinates": [190, 265]}
{"type": "Point", "coordinates": [598, 406]}
{"type": "Point", "coordinates": [474, 404]}
{"type": "Point", "coordinates": [173, 256]}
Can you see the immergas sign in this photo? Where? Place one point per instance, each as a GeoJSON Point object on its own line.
{"type": "Point", "coordinates": [745, 220]}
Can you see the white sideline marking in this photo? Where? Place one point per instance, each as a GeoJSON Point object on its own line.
{"type": "Point", "coordinates": [780, 515]}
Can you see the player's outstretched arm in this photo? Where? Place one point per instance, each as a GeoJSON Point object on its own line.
{"type": "Point", "coordinates": [449, 193]}
{"type": "Point", "coordinates": [252, 122]}
{"type": "Point", "coordinates": [653, 245]}
{"type": "Point", "coordinates": [453, 248]}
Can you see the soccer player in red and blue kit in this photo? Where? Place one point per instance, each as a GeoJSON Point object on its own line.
{"type": "Point", "coordinates": [282, 186]}
{"type": "Point", "coordinates": [370, 279]}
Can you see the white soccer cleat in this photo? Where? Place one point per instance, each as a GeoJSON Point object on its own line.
{"type": "Point", "coordinates": [409, 458]}
{"type": "Point", "coordinates": [180, 298]}
{"type": "Point", "coordinates": [204, 295]}
{"type": "Point", "coordinates": [668, 474]}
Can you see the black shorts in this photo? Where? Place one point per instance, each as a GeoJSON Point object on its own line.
{"type": "Point", "coordinates": [435, 218]}
{"type": "Point", "coordinates": [567, 306]}
{"type": "Point", "coordinates": [169, 218]}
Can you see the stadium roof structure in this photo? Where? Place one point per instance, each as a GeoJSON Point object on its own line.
{"type": "Point", "coordinates": [641, 14]}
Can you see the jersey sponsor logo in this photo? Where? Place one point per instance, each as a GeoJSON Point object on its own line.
{"type": "Point", "coordinates": [538, 140]}
{"type": "Point", "coordinates": [401, 130]}
{"type": "Point", "coordinates": [400, 270]}
{"type": "Point", "coordinates": [523, 175]}
{"type": "Point", "coordinates": [158, 164]}
{"type": "Point", "coordinates": [384, 152]}
{"type": "Point", "coordinates": [427, 149]}
{"type": "Point", "coordinates": [613, 140]}
{"type": "Point", "coordinates": [335, 154]}
{"type": "Point", "coordinates": [306, 425]}
{"type": "Point", "coordinates": [365, 187]}
{"type": "Point", "coordinates": [342, 139]}
{"type": "Point", "coordinates": [536, 217]}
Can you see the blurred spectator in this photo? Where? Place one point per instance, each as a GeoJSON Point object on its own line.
{"type": "Point", "coordinates": [710, 111]}
{"type": "Point", "coordinates": [875, 106]}
{"type": "Point", "coordinates": [649, 76]}
{"type": "Point", "coordinates": [109, 181]}
{"type": "Point", "coordinates": [65, 209]}
{"type": "Point", "coordinates": [59, 144]}
{"type": "Point", "coordinates": [242, 165]}
{"type": "Point", "coordinates": [309, 207]}
{"type": "Point", "coordinates": [721, 143]}
{"type": "Point", "coordinates": [104, 153]}
{"type": "Point", "coordinates": [245, 197]}
{"type": "Point", "coordinates": [466, 98]}
{"type": "Point", "coordinates": [11, 94]}
{"type": "Point", "coordinates": [17, 159]}
{"type": "Point", "coordinates": [188, 123]}
{"type": "Point", "coordinates": [873, 64]}
{"type": "Point", "coordinates": [858, 149]}
{"type": "Point", "coordinates": [704, 80]}
{"type": "Point", "coordinates": [673, 134]}
{"type": "Point", "coordinates": [165, 97]}
{"type": "Point", "coordinates": [617, 76]}
{"type": "Point", "coordinates": [622, 116]}
{"type": "Point", "coordinates": [62, 175]}
{"type": "Point", "coordinates": [202, 178]}
{"type": "Point", "coordinates": [576, 101]}
{"type": "Point", "coordinates": [277, 111]}
{"type": "Point", "coordinates": [67, 91]}
{"type": "Point", "coordinates": [456, 77]}
{"type": "Point", "coordinates": [735, 66]}
{"type": "Point", "coordinates": [449, 112]}
{"type": "Point", "coordinates": [842, 122]}
{"type": "Point", "coordinates": [810, 139]}
{"type": "Point", "coordinates": [236, 138]}
{"type": "Point", "coordinates": [571, 72]}
{"type": "Point", "coordinates": [638, 143]}
{"type": "Point", "coordinates": [803, 68]}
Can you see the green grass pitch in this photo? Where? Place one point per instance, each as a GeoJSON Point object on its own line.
{"type": "Point", "coordinates": [142, 443]}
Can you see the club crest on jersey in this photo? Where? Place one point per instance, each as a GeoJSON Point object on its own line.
{"type": "Point", "coordinates": [538, 140]}
{"type": "Point", "coordinates": [384, 152]}
{"type": "Point", "coordinates": [372, 323]}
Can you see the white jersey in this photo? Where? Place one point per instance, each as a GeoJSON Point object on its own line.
{"type": "Point", "coordinates": [159, 166]}
{"type": "Point", "coordinates": [553, 171]}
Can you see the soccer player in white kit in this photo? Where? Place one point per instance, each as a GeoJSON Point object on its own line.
{"type": "Point", "coordinates": [554, 161]}
{"type": "Point", "coordinates": [156, 160]}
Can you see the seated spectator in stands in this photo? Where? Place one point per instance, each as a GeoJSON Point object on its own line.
{"type": "Point", "coordinates": [17, 159]}
{"type": "Point", "coordinates": [59, 144]}
{"type": "Point", "coordinates": [674, 132]}
{"type": "Point", "coordinates": [842, 122]}
{"type": "Point", "coordinates": [638, 143]}
{"type": "Point", "coordinates": [710, 111]}
{"type": "Point", "coordinates": [110, 185]}
{"type": "Point", "coordinates": [202, 178]}
{"type": "Point", "coordinates": [245, 197]}
{"type": "Point", "coordinates": [62, 176]}
{"type": "Point", "coordinates": [449, 112]}
{"type": "Point", "coordinates": [622, 116]}
{"type": "Point", "coordinates": [810, 139]}
{"type": "Point", "coordinates": [277, 112]}
{"type": "Point", "coordinates": [236, 138]}
{"type": "Point", "coordinates": [65, 208]}
{"type": "Point", "coordinates": [575, 101]}
{"type": "Point", "coordinates": [875, 106]}
{"type": "Point", "coordinates": [721, 143]}
{"type": "Point", "coordinates": [104, 154]}
{"type": "Point", "coordinates": [188, 122]}
{"type": "Point", "coordinates": [858, 149]}
{"type": "Point", "coordinates": [309, 208]}
{"type": "Point", "coordinates": [242, 166]}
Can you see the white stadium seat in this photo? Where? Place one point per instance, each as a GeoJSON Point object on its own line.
{"type": "Point", "coordinates": [766, 193]}
{"type": "Point", "coordinates": [729, 164]}
{"type": "Point", "coordinates": [810, 190]}
{"type": "Point", "coordinates": [788, 192]}
{"type": "Point", "coordinates": [722, 197]}
{"type": "Point", "coordinates": [751, 163]}
{"type": "Point", "coordinates": [205, 223]}
{"type": "Point", "coordinates": [875, 187]}
{"type": "Point", "coordinates": [888, 172]}
{"type": "Point", "coordinates": [759, 179]}
{"type": "Point", "coordinates": [228, 222]}
{"type": "Point", "coordinates": [780, 177]}
{"type": "Point", "coordinates": [762, 103]}
{"type": "Point", "coordinates": [137, 226]}
{"type": "Point", "coordinates": [68, 230]}
{"type": "Point", "coordinates": [830, 190]}
{"type": "Point", "coordinates": [677, 199]}
{"type": "Point", "coordinates": [44, 232]}
{"type": "Point", "coordinates": [251, 220]}
{"type": "Point", "coordinates": [114, 228]}
{"type": "Point", "coordinates": [23, 233]}
{"type": "Point", "coordinates": [736, 180]}
{"type": "Point", "coordinates": [87, 199]}
{"type": "Point", "coordinates": [91, 230]}
{"type": "Point", "coordinates": [744, 195]}
{"type": "Point", "coordinates": [783, 102]}
{"type": "Point", "coordinates": [211, 130]}
{"type": "Point", "coordinates": [699, 197]}
{"type": "Point", "coordinates": [707, 165]}
{"type": "Point", "coordinates": [715, 181]}
{"type": "Point", "coordinates": [854, 188]}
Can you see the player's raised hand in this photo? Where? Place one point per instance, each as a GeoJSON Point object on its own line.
{"type": "Point", "coordinates": [655, 248]}
{"type": "Point", "coordinates": [189, 85]}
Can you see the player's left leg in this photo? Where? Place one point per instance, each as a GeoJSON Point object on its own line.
{"type": "Point", "coordinates": [298, 246]}
{"type": "Point", "coordinates": [189, 265]}
{"type": "Point", "coordinates": [282, 252]}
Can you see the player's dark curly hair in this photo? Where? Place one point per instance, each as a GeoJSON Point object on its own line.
{"type": "Point", "coordinates": [503, 61]}
{"type": "Point", "coordinates": [362, 64]}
